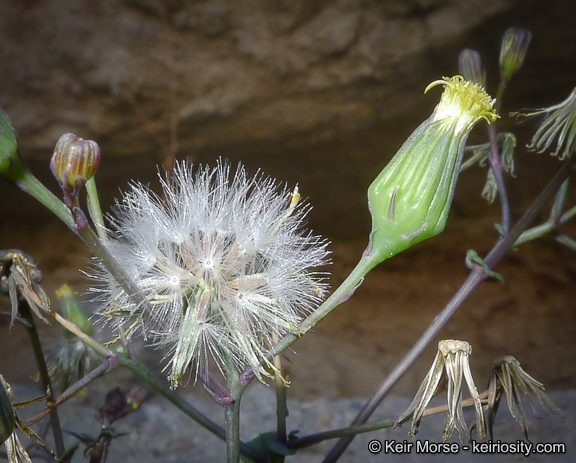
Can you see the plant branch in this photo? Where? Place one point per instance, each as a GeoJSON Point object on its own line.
{"type": "Point", "coordinates": [159, 386]}
{"type": "Point", "coordinates": [281, 406]}
{"type": "Point", "coordinates": [100, 370]}
{"type": "Point", "coordinates": [497, 170]}
{"type": "Point", "coordinates": [339, 296]}
{"type": "Point", "coordinates": [232, 412]}
{"type": "Point", "coordinates": [477, 275]}
{"type": "Point", "coordinates": [26, 313]}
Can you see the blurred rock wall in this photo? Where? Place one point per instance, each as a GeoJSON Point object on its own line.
{"type": "Point", "coordinates": [214, 72]}
{"type": "Point", "coordinates": [316, 92]}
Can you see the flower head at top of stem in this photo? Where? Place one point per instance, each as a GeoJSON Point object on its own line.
{"type": "Point", "coordinates": [410, 199]}
{"type": "Point", "coordinates": [20, 277]}
{"type": "Point", "coordinates": [73, 163]}
{"type": "Point", "coordinates": [223, 263]}
{"type": "Point", "coordinates": [513, 50]}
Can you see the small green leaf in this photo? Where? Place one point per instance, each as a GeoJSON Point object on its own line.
{"type": "Point", "coordinates": [68, 454]}
{"type": "Point", "coordinates": [11, 165]}
{"type": "Point", "coordinates": [267, 443]}
{"type": "Point", "coordinates": [473, 259]}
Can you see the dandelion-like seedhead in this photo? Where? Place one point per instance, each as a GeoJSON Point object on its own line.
{"type": "Point", "coordinates": [223, 264]}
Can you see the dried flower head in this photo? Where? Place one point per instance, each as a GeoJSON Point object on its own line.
{"type": "Point", "coordinates": [454, 357]}
{"type": "Point", "coordinates": [20, 276]}
{"type": "Point", "coordinates": [506, 147]}
{"type": "Point", "coordinates": [508, 377]}
{"type": "Point", "coordinates": [222, 262]}
{"type": "Point", "coordinates": [558, 126]}
{"type": "Point", "coordinates": [11, 422]}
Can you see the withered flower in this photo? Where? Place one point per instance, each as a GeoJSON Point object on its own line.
{"type": "Point", "coordinates": [508, 377]}
{"type": "Point", "coordinates": [20, 276]}
{"type": "Point", "coordinates": [11, 422]}
{"type": "Point", "coordinates": [454, 357]}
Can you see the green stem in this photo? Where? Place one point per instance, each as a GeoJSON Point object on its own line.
{"type": "Point", "coordinates": [24, 309]}
{"type": "Point", "coordinates": [232, 412]}
{"type": "Point", "coordinates": [544, 229]}
{"type": "Point", "coordinates": [281, 408]}
{"type": "Point", "coordinates": [159, 386]}
{"type": "Point", "coordinates": [116, 271]}
{"type": "Point", "coordinates": [339, 296]}
{"type": "Point", "coordinates": [86, 339]}
{"type": "Point", "coordinates": [30, 184]}
{"type": "Point", "coordinates": [314, 439]}
{"type": "Point", "coordinates": [556, 212]}
{"type": "Point", "coordinates": [94, 208]}
{"type": "Point", "coordinates": [497, 170]}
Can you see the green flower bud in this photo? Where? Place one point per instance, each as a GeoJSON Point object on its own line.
{"type": "Point", "coordinates": [11, 165]}
{"type": "Point", "coordinates": [72, 310]}
{"type": "Point", "coordinates": [74, 161]}
{"type": "Point", "coordinates": [410, 199]}
{"type": "Point", "coordinates": [7, 417]}
{"type": "Point", "coordinates": [513, 51]}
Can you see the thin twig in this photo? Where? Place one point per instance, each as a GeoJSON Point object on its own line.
{"type": "Point", "coordinates": [497, 170]}
{"type": "Point", "coordinates": [72, 390]}
{"type": "Point", "coordinates": [26, 313]}
{"type": "Point", "coordinates": [281, 405]}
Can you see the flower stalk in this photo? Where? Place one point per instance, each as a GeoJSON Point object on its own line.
{"type": "Point", "coordinates": [410, 199]}
{"type": "Point", "coordinates": [44, 375]}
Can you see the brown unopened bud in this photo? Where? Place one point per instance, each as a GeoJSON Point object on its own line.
{"type": "Point", "coordinates": [74, 161]}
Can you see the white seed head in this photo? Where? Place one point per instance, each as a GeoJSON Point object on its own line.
{"type": "Point", "coordinates": [222, 262]}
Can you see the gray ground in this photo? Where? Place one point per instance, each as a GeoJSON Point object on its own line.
{"type": "Point", "coordinates": [158, 432]}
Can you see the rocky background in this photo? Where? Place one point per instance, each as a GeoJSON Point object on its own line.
{"type": "Point", "coordinates": [315, 92]}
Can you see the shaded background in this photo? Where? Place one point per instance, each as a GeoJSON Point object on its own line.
{"type": "Point", "coordinates": [319, 93]}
